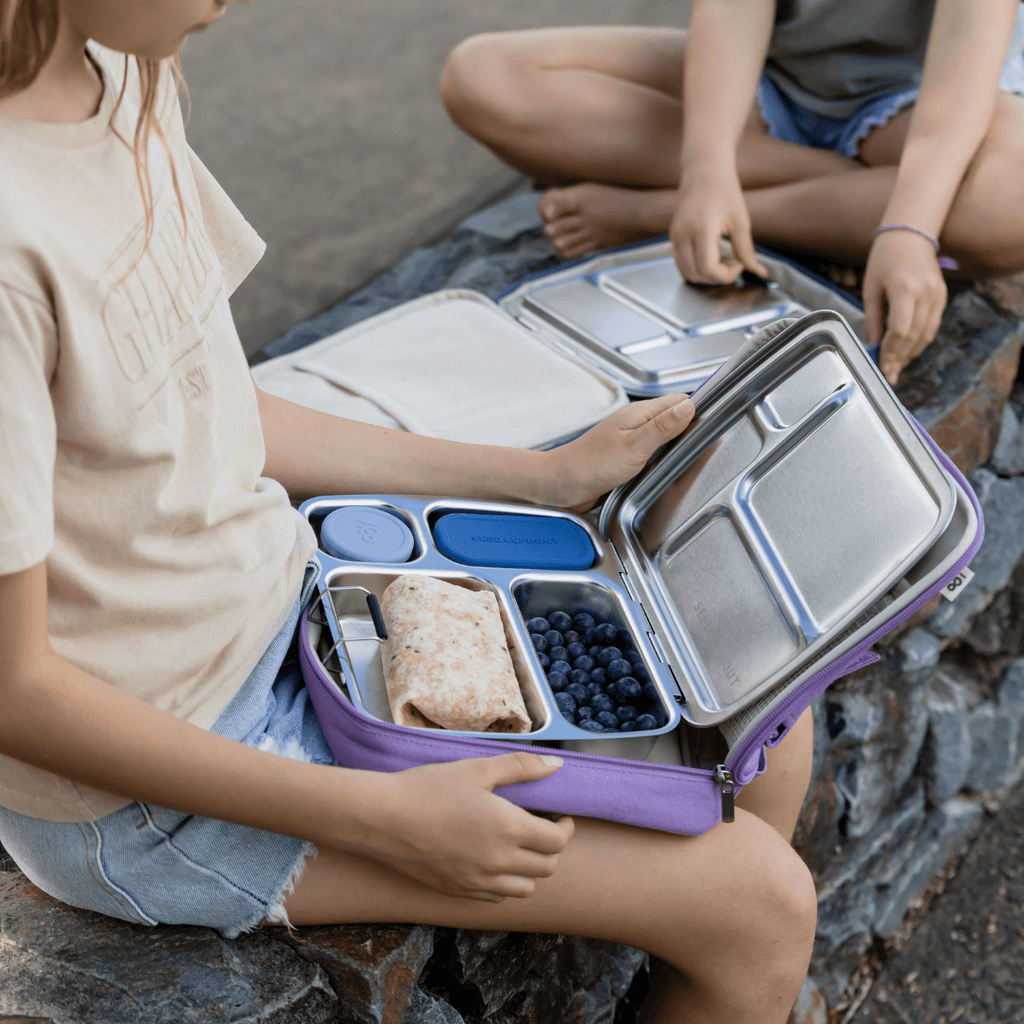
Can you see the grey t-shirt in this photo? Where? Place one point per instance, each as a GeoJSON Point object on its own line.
{"type": "Point", "coordinates": [832, 56]}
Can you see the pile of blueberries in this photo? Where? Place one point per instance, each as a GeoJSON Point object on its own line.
{"type": "Point", "coordinates": [598, 677]}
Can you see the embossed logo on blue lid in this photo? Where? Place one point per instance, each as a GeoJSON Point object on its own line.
{"type": "Point", "coordinates": [359, 533]}
{"type": "Point", "coordinates": [514, 541]}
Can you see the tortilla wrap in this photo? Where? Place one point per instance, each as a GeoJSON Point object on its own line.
{"type": "Point", "coordinates": [446, 660]}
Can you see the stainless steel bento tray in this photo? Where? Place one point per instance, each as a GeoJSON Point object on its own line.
{"type": "Point", "coordinates": [521, 594]}
{"type": "Point", "coordinates": [800, 511]}
{"type": "Point", "coordinates": [636, 320]}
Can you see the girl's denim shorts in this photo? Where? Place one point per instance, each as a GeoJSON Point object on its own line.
{"type": "Point", "coordinates": [787, 120]}
{"type": "Point", "coordinates": [150, 865]}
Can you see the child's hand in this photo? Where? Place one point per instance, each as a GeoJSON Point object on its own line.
{"type": "Point", "coordinates": [615, 450]}
{"type": "Point", "coordinates": [903, 290]}
{"type": "Point", "coordinates": [441, 825]}
{"type": "Point", "coordinates": [710, 206]}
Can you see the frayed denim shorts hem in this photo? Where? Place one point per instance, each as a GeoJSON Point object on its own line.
{"type": "Point", "coordinates": [151, 865]}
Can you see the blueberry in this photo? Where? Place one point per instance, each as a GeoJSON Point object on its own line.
{"type": "Point", "coordinates": [608, 654]}
{"type": "Point", "coordinates": [645, 722]}
{"type": "Point", "coordinates": [618, 668]}
{"type": "Point", "coordinates": [571, 719]}
{"type": "Point", "coordinates": [597, 675]}
{"type": "Point", "coordinates": [583, 621]}
{"type": "Point", "coordinates": [633, 657]}
{"type": "Point", "coordinates": [553, 637]}
{"type": "Point", "coordinates": [579, 693]}
{"type": "Point", "coordinates": [557, 681]}
{"type": "Point", "coordinates": [561, 666]}
{"type": "Point", "coordinates": [585, 662]}
{"type": "Point", "coordinates": [578, 675]}
{"type": "Point", "coordinates": [589, 636]}
{"type": "Point", "coordinates": [584, 712]}
{"type": "Point", "coordinates": [660, 715]}
{"type": "Point", "coordinates": [594, 650]}
{"type": "Point", "coordinates": [650, 691]}
{"type": "Point", "coordinates": [626, 639]}
{"type": "Point", "coordinates": [538, 625]}
{"type": "Point", "coordinates": [571, 636]}
{"type": "Point", "coordinates": [543, 659]}
{"type": "Point", "coordinates": [592, 725]}
{"type": "Point", "coordinates": [607, 633]}
{"type": "Point", "coordinates": [566, 703]}
{"type": "Point", "coordinates": [558, 654]}
{"type": "Point", "coordinates": [629, 691]}
{"type": "Point", "coordinates": [640, 672]}
{"type": "Point", "coordinates": [594, 689]}
{"type": "Point", "coordinates": [560, 621]}
{"type": "Point", "coordinates": [607, 719]}
{"type": "Point", "coordinates": [539, 643]}
{"type": "Point", "coordinates": [625, 713]}
{"type": "Point", "coordinates": [602, 702]}
{"type": "Point", "coordinates": [575, 650]}
{"type": "Point", "coordinates": [627, 727]}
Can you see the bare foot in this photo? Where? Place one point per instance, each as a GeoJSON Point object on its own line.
{"type": "Point", "coordinates": [581, 219]}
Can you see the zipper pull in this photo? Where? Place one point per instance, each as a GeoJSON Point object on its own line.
{"type": "Point", "coordinates": [726, 780]}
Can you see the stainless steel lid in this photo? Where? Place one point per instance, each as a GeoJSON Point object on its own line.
{"type": "Point", "coordinates": [800, 495]}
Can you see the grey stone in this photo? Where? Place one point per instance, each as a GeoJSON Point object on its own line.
{"type": "Point", "coordinates": [76, 967]}
{"type": "Point", "coordinates": [506, 220]}
{"type": "Point", "coordinates": [1011, 692]}
{"type": "Point", "coordinates": [848, 892]}
{"type": "Point", "coordinates": [1002, 503]}
{"type": "Point", "coordinates": [946, 756]}
{"type": "Point", "coordinates": [508, 976]}
{"type": "Point", "coordinates": [1008, 455]}
{"type": "Point", "coordinates": [428, 1009]}
{"type": "Point", "coordinates": [919, 649]}
{"type": "Point", "coordinates": [883, 725]}
{"type": "Point", "coordinates": [373, 968]}
{"type": "Point", "coordinates": [944, 835]}
{"type": "Point", "coordinates": [810, 1005]}
{"type": "Point", "coordinates": [993, 747]}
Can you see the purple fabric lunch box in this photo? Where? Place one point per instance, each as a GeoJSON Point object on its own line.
{"type": "Point", "coordinates": [803, 516]}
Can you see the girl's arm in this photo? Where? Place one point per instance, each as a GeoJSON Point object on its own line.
{"type": "Point", "coordinates": [313, 453]}
{"type": "Point", "coordinates": [440, 824]}
{"type": "Point", "coordinates": [966, 49]}
{"type": "Point", "coordinates": [725, 51]}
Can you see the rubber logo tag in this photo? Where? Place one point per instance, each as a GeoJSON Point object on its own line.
{"type": "Point", "coordinates": [954, 588]}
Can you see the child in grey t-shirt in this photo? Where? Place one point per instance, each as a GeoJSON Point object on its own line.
{"type": "Point", "coordinates": [863, 130]}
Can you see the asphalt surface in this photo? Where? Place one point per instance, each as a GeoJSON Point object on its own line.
{"type": "Point", "coordinates": [322, 121]}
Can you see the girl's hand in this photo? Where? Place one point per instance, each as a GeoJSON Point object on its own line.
{"type": "Point", "coordinates": [903, 290]}
{"type": "Point", "coordinates": [614, 451]}
{"type": "Point", "coordinates": [442, 825]}
{"type": "Point", "coordinates": [712, 205]}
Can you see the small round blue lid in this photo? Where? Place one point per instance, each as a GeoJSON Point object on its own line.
{"type": "Point", "coordinates": [360, 534]}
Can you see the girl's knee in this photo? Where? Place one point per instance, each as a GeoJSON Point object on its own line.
{"type": "Point", "coordinates": [471, 78]}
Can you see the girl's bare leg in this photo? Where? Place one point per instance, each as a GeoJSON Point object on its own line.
{"type": "Point", "coordinates": [600, 106]}
{"type": "Point", "coordinates": [732, 912]}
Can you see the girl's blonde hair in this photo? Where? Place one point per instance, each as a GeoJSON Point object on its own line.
{"type": "Point", "coordinates": [28, 32]}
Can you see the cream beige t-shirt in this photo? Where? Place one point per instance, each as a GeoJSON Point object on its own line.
{"type": "Point", "coordinates": [130, 443]}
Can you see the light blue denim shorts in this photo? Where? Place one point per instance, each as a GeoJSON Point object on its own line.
{"type": "Point", "coordinates": [150, 865]}
{"type": "Point", "coordinates": [787, 120]}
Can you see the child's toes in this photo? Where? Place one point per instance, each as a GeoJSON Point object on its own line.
{"type": "Point", "coordinates": [555, 204]}
{"type": "Point", "coordinates": [563, 226]}
{"type": "Point", "coordinates": [575, 243]}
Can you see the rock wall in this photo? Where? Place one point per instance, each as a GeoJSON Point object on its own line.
{"type": "Point", "coordinates": [909, 754]}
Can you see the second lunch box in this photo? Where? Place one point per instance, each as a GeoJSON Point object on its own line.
{"type": "Point", "coordinates": [755, 560]}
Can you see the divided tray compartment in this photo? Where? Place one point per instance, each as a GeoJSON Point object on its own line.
{"type": "Point", "coordinates": [521, 593]}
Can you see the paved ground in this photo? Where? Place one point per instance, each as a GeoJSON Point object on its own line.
{"type": "Point", "coordinates": [321, 120]}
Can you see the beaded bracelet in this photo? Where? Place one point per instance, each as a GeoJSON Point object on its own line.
{"type": "Point", "coordinates": [944, 261]}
